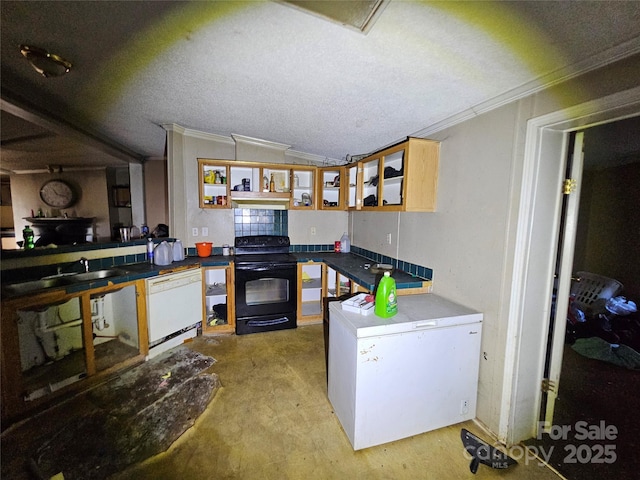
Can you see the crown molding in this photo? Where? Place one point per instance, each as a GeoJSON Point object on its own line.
{"type": "Point", "coordinates": [188, 132]}
{"type": "Point", "coordinates": [318, 160]}
{"type": "Point", "coordinates": [259, 142]}
{"type": "Point", "coordinates": [612, 55]}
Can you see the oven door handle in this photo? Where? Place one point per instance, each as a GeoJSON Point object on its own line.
{"type": "Point", "coordinates": [262, 268]}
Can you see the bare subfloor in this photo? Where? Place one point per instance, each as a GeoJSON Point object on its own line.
{"type": "Point", "coordinates": [272, 420]}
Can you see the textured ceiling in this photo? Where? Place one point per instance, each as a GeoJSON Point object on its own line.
{"type": "Point", "coordinates": [273, 71]}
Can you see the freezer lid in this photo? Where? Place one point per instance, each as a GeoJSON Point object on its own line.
{"type": "Point", "coordinates": [415, 313]}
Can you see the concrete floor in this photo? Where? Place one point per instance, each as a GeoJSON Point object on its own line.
{"type": "Point", "coordinates": [272, 420]}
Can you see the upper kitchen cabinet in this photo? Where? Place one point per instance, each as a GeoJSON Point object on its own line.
{"type": "Point", "coordinates": [226, 184]}
{"type": "Point", "coordinates": [213, 183]}
{"type": "Point", "coordinates": [331, 188]}
{"type": "Point", "coordinates": [403, 177]}
{"type": "Point", "coordinates": [303, 187]}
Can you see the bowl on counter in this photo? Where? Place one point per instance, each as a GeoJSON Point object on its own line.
{"type": "Point", "coordinates": [204, 248]}
{"type": "Point", "coordinates": [381, 268]}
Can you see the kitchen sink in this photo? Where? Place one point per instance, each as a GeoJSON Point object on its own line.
{"type": "Point", "coordinates": [97, 275]}
{"type": "Point", "coordinates": [34, 285]}
{"type": "Point", "coordinates": [62, 280]}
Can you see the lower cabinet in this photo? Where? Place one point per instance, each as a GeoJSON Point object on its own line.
{"type": "Point", "coordinates": [54, 343]}
{"type": "Point", "coordinates": [315, 281]}
{"type": "Point", "coordinates": [311, 289]}
{"type": "Point", "coordinates": [219, 300]}
{"type": "Point", "coordinates": [338, 284]}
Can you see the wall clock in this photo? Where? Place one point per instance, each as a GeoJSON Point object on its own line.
{"type": "Point", "coordinates": [58, 194]}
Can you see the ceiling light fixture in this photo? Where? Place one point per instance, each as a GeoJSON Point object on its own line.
{"type": "Point", "coordinates": [45, 63]}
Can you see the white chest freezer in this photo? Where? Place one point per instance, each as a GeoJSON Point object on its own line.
{"type": "Point", "coordinates": [391, 378]}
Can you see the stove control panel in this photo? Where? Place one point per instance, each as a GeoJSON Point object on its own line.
{"type": "Point", "coordinates": [261, 244]}
{"type": "Point", "coordinates": [262, 241]}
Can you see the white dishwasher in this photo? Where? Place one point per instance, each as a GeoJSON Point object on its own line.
{"type": "Point", "coordinates": [174, 309]}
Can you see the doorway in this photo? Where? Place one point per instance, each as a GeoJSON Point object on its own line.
{"type": "Point", "coordinates": [6, 215]}
{"type": "Point", "coordinates": [596, 236]}
{"type": "Point", "coordinates": [595, 393]}
{"type": "Point", "coordinates": [535, 250]}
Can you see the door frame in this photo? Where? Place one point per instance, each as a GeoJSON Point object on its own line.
{"type": "Point", "coordinates": [564, 270]}
{"type": "Point", "coordinates": [535, 251]}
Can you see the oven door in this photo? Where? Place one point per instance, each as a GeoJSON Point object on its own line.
{"type": "Point", "coordinates": [265, 289]}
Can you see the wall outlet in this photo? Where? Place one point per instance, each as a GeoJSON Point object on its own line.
{"type": "Point", "coordinates": [205, 231]}
{"type": "Point", "coordinates": [464, 407]}
{"type": "Point", "coordinates": [313, 230]}
{"type": "Point", "coordinates": [194, 232]}
{"type": "Point", "coordinates": [388, 239]}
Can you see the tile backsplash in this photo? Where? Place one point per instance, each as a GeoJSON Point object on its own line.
{"type": "Point", "coordinates": [260, 222]}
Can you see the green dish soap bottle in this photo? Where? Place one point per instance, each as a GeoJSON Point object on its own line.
{"type": "Point", "coordinates": [27, 235]}
{"type": "Point", "coordinates": [386, 300]}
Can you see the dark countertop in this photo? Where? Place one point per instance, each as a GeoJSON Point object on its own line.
{"type": "Point", "coordinates": [80, 247]}
{"type": "Point", "coordinates": [127, 273]}
{"type": "Point", "coordinates": [353, 267]}
{"type": "Point", "coordinates": [350, 265]}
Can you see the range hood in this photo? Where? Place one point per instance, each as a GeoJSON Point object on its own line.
{"type": "Point", "coordinates": [260, 201]}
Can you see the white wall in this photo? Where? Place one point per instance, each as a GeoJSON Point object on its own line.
{"type": "Point", "coordinates": [93, 198]}
{"type": "Point", "coordinates": [155, 193]}
{"type": "Point", "coordinates": [464, 240]}
{"type": "Point", "coordinates": [470, 242]}
{"type": "Point", "coordinates": [329, 226]}
{"type": "Point", "coordinates": [186, 146]}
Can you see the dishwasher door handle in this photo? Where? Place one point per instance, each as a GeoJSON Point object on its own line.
{"type": "Point", "coordinates": [158, 285]}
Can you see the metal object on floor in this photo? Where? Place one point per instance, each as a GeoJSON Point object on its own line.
{"type": "Point", "coordinates": [482, 452]}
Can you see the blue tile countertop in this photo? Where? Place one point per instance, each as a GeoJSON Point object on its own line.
{"type": "Point", "coordinates": [350, 265]}
{"type": "Point", "coordinates": [353, 267]}
{"type": "Point", "coordinates": [130, 272]}
{"type": "Point", "coordinates": [137, 271]}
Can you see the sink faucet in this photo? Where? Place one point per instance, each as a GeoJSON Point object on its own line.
{"type": "Point", "coordinates": [85, 263]}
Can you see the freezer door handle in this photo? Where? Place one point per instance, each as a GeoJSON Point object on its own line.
{"type": "Point", "coordinates": [430, 323]}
